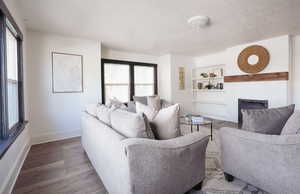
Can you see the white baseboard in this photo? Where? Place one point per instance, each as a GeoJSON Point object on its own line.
{"type": "Point", "coordinates": [12, 176]}
{"type": "Point", "coordinates": [49, 137]}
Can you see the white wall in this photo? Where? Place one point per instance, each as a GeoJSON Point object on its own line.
{"type": "Point", "coordinates": [12, 161]}
{"type": "Point", "coordinates": [168, 80]}
{"type": "Point", "coordinates": [57, 116]}
{"type": "Point", "coordinates": [127, 56]}
{"type": "Point", "coordinates": [275, 91]}
{"type": "Point", "coordinates": [183, 97]}
{"type": "Point", "coordinates": [164, 77]}
{"type": "Point", "coordinates": [296, 71]}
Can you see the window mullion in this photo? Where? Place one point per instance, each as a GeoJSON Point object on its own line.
{"type": "Point", "coordinates": [20, 81]}
{"type": "Point", "coordinates": [131, 77]}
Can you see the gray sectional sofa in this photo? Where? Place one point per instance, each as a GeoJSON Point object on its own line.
{"type": "Point", "coordinates": [141, 165]}
{"type": "Point", "coordinates": [268, 161]}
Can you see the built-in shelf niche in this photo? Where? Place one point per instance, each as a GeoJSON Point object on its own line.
{"type": "Point", "coordinates": [210, 83]}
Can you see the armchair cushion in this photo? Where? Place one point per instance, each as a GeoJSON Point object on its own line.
{"type": "Point", "coordinates": [292, 126]}
{"type": "Point", "coordinates": [266, 121]}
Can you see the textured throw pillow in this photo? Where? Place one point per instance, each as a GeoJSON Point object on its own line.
{"type": "Point", "coordinates": [292, 126]}
{"type": "Point", "coordinates": [103, 114]}
{"type": "Point", "coordinates": [129, 124]}
{"type": "Point", "coordinates": [266, 121]}
{"type": "Point", "coordinates": [154, 102]}
{"type": "Point", "coordinates": [114, 102]}
{"type": "Point", "coordinates": [147, 110]}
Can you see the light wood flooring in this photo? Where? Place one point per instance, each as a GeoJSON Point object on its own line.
{"type": "Point", "coordinates": [59, 167]}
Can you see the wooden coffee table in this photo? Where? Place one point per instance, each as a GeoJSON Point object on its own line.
{"type": "Point", "coordinates": [205, 122]}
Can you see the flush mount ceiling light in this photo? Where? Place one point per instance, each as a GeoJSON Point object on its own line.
{"type": "Point", "coordinates": [198, 22]}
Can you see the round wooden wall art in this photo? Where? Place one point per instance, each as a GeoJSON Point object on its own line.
{"type": "Point", "coordinates": [253, 59]}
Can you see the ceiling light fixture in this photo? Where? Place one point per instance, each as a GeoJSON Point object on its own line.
{"type": "Point", "coordinates": [198, 22]}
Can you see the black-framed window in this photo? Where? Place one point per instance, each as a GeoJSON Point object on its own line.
{"type": "Point", "coordinates": [125, 79]}
{"type": "Point", "coordinates": [12, 120]}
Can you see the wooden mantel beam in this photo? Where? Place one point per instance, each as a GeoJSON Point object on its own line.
{"type": "Point", "coordinates": [258, 77]}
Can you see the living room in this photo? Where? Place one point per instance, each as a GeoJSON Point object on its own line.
{"type": "Point", "coordinates": [213, 85]}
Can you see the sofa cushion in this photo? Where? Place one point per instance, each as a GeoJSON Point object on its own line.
{"type": "Point", "coordinates": [154, 102]}
{"type": "Point", "coordinates": [103, 114]}
{"type": "Point", "coordinates": [266, 121]}
{"type": "Point", "coordinates": [129, 124]}
{"type": "Point", "coordinates": [292, 126]}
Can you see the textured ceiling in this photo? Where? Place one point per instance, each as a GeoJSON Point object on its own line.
{"type": "Point", "coordinates": [160, 26]}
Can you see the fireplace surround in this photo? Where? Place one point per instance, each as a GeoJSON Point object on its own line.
{"type": "Point", "coordinates": [249, 104]}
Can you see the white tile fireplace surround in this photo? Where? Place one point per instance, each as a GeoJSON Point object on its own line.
{"type": "Point", "coordinates": [276, 92]}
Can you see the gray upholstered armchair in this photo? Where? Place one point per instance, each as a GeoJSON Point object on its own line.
{"type": "Point", "coordinates": [269, 162]}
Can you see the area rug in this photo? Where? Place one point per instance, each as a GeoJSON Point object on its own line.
{"type": "Point", "coordinates": [215, 182]}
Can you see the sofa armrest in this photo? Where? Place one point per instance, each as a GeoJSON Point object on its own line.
{"type": "Point", "coordinates": [179, 163]}
{"type": "Point", "coordinates": [261, 138]}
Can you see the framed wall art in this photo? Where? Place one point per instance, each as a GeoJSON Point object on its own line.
{"type": "Point", "coordinates": [67, 73]}
{"type": "Point", "coordinates": [181, 78]}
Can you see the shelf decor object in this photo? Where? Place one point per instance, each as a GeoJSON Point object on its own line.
{"type": "Point", "coordinates": [253, 59]}
{"type": "Point", "coordinates": [67, 73]}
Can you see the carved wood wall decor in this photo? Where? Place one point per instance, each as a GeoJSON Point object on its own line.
{"type": "Point", "coordinates": [256, 50]}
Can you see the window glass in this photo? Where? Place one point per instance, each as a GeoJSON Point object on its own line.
{"type": "Point", "coordinates": [12, 78]}
{"type": "Point", "coordinates": [117, 82]}
{"type": "Point", "coordinates": [143, 81]}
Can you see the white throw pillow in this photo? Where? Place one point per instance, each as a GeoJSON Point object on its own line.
{"type": "Point", "coordinates": [154, 102]}
{"type": "Point", "coordinates": [129, 124]}
{"type": "Point", "coordinates": [165, 121]}
{"type": "Point", "coordinates": [103, 114]}
{"type": "Point", "coordinates": [147, 110]}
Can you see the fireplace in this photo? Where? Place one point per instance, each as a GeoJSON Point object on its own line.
{"type": "Point", "coordinates": [250, 104]}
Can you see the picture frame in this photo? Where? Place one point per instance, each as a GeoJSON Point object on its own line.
{"type": "Point", "coordinates": [181, 76]}
{"type": "Point", "coordinates": [67, 73]}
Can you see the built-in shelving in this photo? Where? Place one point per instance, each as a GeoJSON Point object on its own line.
{"type": "Point", "coordinates": [214, 81]}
